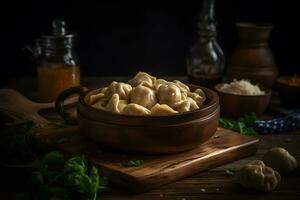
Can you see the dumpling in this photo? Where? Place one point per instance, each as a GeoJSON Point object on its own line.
{"type": "Point", "coordinates": [112, 104]}
{"type": "Point", "coordinates": [201, 93]}
{"type": "Point", "coordinates": [115, 105]}
{"type": "Point", "coordinates": [160, 82]}
{"type": "Point", "coordinates": [184, 96]}
{"type": "Point", "coordinates": [162, 109]}
{"type": "Point", "coordinates": [95, 98]}
{"type": "Point", "coordinates": [100, 104]}
{"type": "Point", "coordinates": [122, 104]}
{"type": "Point", "coordinates": [169, 94]}
{"type": "Point", "coordinates": [122, 89]}
{"type": "Point", "coordinates": [198, 96]}
{"type": "Point", "coordinates": [143, 96]}
{"type": "Point", "coordinates": [104, 89]}
{"type": "Point", "coordinates": [186, 105]}
{"type": "Point", "coordinates": [135, 109]}
{"type": "Point", "coordinates": [142, 78]}
{"type": "Point", "coordinates": [182, 87]}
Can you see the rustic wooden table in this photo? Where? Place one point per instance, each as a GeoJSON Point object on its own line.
{"type": "Point", "coordinates": [213, 184]}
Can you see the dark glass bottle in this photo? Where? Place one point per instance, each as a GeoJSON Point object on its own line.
{"type": "Point", "coordinates": [205, 64]}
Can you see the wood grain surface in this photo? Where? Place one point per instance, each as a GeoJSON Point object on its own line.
{"type": "Point", "coordinates": [216, 184]}
{"type": "Point", "coordinates": [223, 147]}
{"type": "Point", "coordinates": [157, 170]}
{"type": "Point", "coordinates": [213, 184]}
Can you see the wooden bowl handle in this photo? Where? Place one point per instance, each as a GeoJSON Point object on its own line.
{"type": "Point", "coordinates": [69, 117]}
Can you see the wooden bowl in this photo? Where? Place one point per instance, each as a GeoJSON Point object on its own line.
{"type": "Point", "coordinates": [235, 106]}
{"type": "Point", "coordinates": [146, 134]}
{"type": "Point", "coordinates": [289, 94]}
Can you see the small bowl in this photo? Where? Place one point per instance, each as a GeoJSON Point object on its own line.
{"type": "Point", "coordinates": [289, 94]}
{"type": "Point", "coordinates": [235, 106]}
{"type": "Point", "coordinates": [145, 134]}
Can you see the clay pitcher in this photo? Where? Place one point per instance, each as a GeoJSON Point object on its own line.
{"type": "Point", "coordinates": [252, 59]}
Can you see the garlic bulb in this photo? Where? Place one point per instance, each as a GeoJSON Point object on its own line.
{"type": "Point", "coordinates": [280, 160]}
{"type": "Point", "coordinates": [256, 175]}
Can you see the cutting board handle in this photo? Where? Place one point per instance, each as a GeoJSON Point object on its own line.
{"type": "Point", "coordinates": [16, 105]}
{"type": "Point", "coordinates": [69, 116]}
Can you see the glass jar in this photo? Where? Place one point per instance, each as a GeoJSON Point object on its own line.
{"type": "Point", "coordinates": [205, 63]}
{"type": "Point", "coordinates": [57, 65]}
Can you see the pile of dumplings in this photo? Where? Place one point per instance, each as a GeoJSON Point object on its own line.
{"type": "Point", "coordinates": [146, 95]}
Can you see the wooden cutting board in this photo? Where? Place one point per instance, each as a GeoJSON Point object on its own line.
{"type": "Point", "coordinates": [225, 146]}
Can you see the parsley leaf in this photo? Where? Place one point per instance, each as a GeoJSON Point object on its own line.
{"type": "Point", "coordinates": [50, 177]}
{"type": "Point", "coordinates": [248, 119]}
{"type": "Point", "coordinates": [229, 172]}
{"type": "Point", "coordinates": [244, 125]}
{"type": "Point", "coordinates": [76, 164]}
{"type": "Point", "coordinates": [133, 163]}
{"type": "Point", "coordinates": [60, 178]}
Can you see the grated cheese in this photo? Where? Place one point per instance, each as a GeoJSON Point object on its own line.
{"type": "Point", "coordinates": [242, 87]}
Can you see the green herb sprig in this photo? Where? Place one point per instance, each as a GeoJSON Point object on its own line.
{"type": "Point", "coordinates": [245, 125]}
{"type": "Point", "coordinates": [133, 163]}
{"type": "Point", "coordinates": [229, 172]}
{"type": "Point", "coordinates": [66, 179]}
{"type": "Point", "coordinates": [51, 176]}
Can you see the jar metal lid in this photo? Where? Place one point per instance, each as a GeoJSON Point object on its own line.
{"type": "Point", "coordinates": [59, 38]}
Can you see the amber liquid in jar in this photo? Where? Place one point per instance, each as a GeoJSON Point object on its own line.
{"type": "Point", "coordinates": [55, 78]}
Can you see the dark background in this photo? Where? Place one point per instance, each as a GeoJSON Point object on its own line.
{"type": "Point", "coordinates": [121, 39]}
